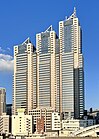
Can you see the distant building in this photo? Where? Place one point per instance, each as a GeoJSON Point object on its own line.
{"type": "Point", "coordinates": [5, 123]}
{"type": "Point", "coordinates": [94, 114]}
{"type": "Point", "coordinates": [22, 124]}
{"type": "Point", "coordinates": [9, 109]}
{"type": "Point", "coordinates": [2, 100]}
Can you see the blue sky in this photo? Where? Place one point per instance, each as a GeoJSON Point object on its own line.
{"type": "Point", "coordinates": [24, 18]}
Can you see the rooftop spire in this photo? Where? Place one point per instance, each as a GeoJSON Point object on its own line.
{"type": "Point", "coordinates": [73, 15]}
{"type": "Point", "coordinates": [74, 11]}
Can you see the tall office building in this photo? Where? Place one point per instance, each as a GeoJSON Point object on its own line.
{"type": "Point", "coordinates": [53, 75]}
{"type": "Point", "coordinates": [71, 67]}
{"type": "Point", "coordinates": [46, 68]}
{"type": "Point", "coordinates": [2, 100]}
{"type": "Point", "coordinates": [23, 76]}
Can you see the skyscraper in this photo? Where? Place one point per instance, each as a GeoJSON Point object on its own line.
{"type": "Point", "coordinates": [71, 63]}
{"type": "Point", "coordinates": [23, 76]}
{"type": "Point", "coordinates": [46, 68]}
{"type": "Point", "coordinates": [2, 100]}
{"type": "Point", "coordinates": [53, 75]}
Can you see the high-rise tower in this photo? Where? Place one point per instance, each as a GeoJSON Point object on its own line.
{"type": "Point", "coordinates": [71, 63]}
{"type": "Point", "coordinates": [46, 68]}
{"type": "Point", "coordinates": [53, 75]}
{"type": "Point", "coordinates": [23, 76]}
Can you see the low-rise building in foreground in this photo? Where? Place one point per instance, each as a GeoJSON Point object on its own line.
{"type": "Point", "coordinates": [4, 123]}
{"type": "Point", "coordinates": [22, 124]}
{"type": "Point", "coordinates": [66, 127]}
{"type": "Point", "coordinates": [46, 113]}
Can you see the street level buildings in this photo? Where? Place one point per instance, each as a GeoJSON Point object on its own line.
{"type": "Point", "coordinates": [69, 127]}
{"type": "Point", "coordinates": [5, 123]}
{"type": "Point", "coordinates": [40, 113]}
{"type": "Point", "coordinates": [70, 124]}
{"type": "Point", "coordinates": [22, 124]}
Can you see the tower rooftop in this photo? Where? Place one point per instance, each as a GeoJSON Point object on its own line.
{"type": "Point", "coordinates": [73, 15]}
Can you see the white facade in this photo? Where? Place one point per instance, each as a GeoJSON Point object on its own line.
{"type": "Point", "coordinates": [69, 124]}
{"type": "Point", "coordinates": [56, 121]}
{"type": "Point", "coordinates": [75, 124]}
{"type": "Point", "coordinates": [81, 128]}
{"type": "Point", "coordinates": [22, 124]}
{"type": "Point", "coordinates": [4, 123]}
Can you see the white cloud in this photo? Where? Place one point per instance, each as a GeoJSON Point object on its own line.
{"type": "Point", "coordinates": [6, 62]}
{"type": "Point", "coordinates": [6, 57]}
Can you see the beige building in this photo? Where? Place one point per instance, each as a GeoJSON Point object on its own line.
{"type": "Point", "coordinates": [53, 75]}
{"type": "Point", "coordinates": [22, 124]}
{"type": "Point", "coordinates": [23, 76]}
{"type": "Point", "coordinates": [46, 113]}
{"type": "Point", "coordinates": [46, 68]}
{"type": "Point", "coordinates": [2, 100]}
{"type": "Point", "coordinates": [60, 71]}
{"type": "Point", "coordinates": [71, 67]}
{"type": "Point", "coordinates": [4, 123]}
